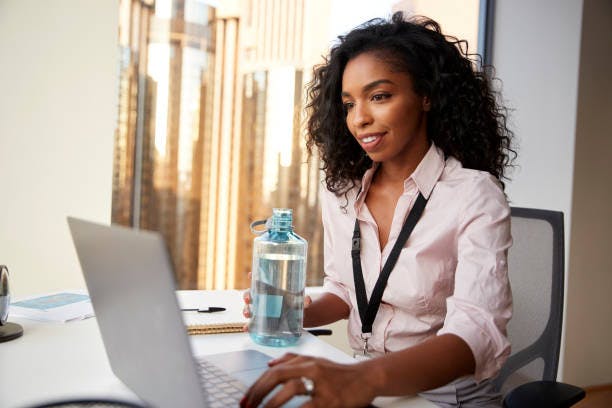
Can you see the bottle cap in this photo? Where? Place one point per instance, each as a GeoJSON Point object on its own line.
{"type": "Point", "coordinates": [281, 218]}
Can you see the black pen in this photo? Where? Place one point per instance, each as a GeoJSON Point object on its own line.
{"type": "Point", "coordinates": [211, 309]}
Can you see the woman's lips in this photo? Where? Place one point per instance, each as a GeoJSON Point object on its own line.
{"type": "Point", "coordinates": [370, 141]}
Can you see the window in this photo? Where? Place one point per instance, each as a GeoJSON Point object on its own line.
{"type": "Point", "coordinates": [210, 133]}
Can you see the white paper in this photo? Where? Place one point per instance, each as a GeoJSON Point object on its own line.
{"type": "Point", "coordinates": [201, 299]}
{"type": "Point", "coordinates": [62, 306]}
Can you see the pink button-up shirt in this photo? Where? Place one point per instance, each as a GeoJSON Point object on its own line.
{"type": "Point", "coordinates": [451, 275]}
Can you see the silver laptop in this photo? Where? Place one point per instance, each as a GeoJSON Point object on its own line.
{"type": "Point", "coordinates": [131, 284]}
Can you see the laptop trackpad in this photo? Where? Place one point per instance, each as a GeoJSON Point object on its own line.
{"type": "Point", "coordinates": [246, 366]}
{"type": "Point", "coordinates": [239, 361]}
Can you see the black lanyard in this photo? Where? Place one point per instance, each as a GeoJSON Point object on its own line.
{"type": "Point", "coordinates": [367, 311]}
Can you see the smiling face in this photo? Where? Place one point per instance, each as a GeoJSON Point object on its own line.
{"type": "Point", "coordinates": [383, 112]}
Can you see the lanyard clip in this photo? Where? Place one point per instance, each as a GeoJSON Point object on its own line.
{"type": "Point", "coordinates": [364, 354]}
{"type": "Point", "coordinates": [356, 241]}
{"type": "Point", "coordinates": [365, 337]}
{"type": "Point", "coordinates": [356, 245]}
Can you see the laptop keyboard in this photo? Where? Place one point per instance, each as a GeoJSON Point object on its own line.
{"type": "Point", "coordinates": [221, 389]}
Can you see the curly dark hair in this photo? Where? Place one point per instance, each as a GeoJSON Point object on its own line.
{"type": "Point", "coordinates": [465, 120]}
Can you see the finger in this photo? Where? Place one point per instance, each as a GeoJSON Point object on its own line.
{"type": "Point", "coordinates": [308, 404]}
{"type": "Point", "coordinates": [246, 311]}
{"type": "Point", "coordinates": [295, 359]}
{"type": "Point", "coordinates": [246, 296]}
{"type": "Point", "coordinates": [307, 301]}
{"type": "Point", "coordinates": [258, 391]}
{"type": "Point", "coordinates": [282, 359]}
{"type": "Point", "coordinates": [250, 275]}
{"type": "Point", "coordinates": [270, 379]}
{"type": "Point", "coordinates": [289, 390]}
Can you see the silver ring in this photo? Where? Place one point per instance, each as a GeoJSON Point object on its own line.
{"type": "Point", "coordinates": [308, 385]}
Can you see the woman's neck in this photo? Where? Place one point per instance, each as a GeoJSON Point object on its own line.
{"type": "Point", "coordinates": [394, 172]}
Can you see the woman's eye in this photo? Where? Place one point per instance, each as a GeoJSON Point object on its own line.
{"type": "Point", "coordinates": [347, 106]}
{"type": "Point", "coordinates": [380, 97]}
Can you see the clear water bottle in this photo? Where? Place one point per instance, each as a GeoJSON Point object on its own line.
{"type": "Point", "coordinates": [278, 280]}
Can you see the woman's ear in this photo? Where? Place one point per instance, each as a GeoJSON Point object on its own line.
{"type": "Point", "coordinates": [426, 104]}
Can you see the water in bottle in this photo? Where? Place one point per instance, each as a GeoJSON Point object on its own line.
{"type": "Point", "coordinates": [278, 280]}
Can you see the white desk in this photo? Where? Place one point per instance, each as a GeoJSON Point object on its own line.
{"type": "Point", "coordinates": [54, 361]}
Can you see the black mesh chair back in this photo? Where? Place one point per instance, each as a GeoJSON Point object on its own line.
{"type": "Point", "coordinates": [536, 269]}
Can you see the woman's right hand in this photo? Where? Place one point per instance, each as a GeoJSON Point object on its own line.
{"type": "Point", "coordinates": [335, 385]}
{"type": "Point", "coordinates": [246, 310]}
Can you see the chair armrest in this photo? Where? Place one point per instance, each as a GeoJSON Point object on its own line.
{"type": "Point", "coordinates": [543, 394]}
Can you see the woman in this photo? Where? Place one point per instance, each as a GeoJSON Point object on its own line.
{"type": "Point", "coordinates": [411, 139]}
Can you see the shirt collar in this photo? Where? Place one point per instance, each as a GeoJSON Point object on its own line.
{"type": "Point", "coordinates": [428, 172]}
{"type": "Point", "coordinates": [425, 176]}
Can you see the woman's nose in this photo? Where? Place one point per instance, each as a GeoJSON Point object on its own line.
{"type": "Point", "coordinates": [361, 115]}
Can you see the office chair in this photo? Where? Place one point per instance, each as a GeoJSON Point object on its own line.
{"type": "Point", "coordinates": [536, 272]}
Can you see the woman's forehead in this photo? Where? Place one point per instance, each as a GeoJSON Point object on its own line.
{"type": "Point", "coordinates": [369, 66]}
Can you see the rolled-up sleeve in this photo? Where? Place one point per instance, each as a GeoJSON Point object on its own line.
{"type": "Point", "coordinates": [481, 304]}
{"type": "Point", "coordinates": [331, 282]}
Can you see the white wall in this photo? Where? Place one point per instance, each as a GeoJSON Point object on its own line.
{"type": "Point", "coordinates": [561, 100]}
{"type": "Point", "coordinates": [588, 358]}
{"type": "Point", "coordinates": [536, 50]}
{"type": "Point", "coordinates": [58, 69]}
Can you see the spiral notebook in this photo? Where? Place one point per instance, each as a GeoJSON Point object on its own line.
{"type": "Point", "coordinates": [231, 320]}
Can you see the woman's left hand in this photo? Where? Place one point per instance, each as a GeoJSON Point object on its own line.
{"type": "Point", "coordinates": [335, 385]}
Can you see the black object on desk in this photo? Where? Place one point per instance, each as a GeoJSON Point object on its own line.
{"type": "Point", "coordinates": [211, 309]}
{"type": "Point", "coordinates": [320, 332]}
{"type": "Point", "coordinates": [91, 403]}
{"type": "Point", "coordinates": [8, 331]}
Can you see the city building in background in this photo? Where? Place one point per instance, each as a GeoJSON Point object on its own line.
{"type": "Point", "coordinates": [209, 137]}
{"type": "Point", "coordinates": [167, 51]}
{"type": "Point", "coordinates": [280, 43]}
{"type": "Point", "coordinates": [210, 133]}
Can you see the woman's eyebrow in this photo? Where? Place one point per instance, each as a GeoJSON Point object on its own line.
{"type": "Point", "coordinates": [370, 86]}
